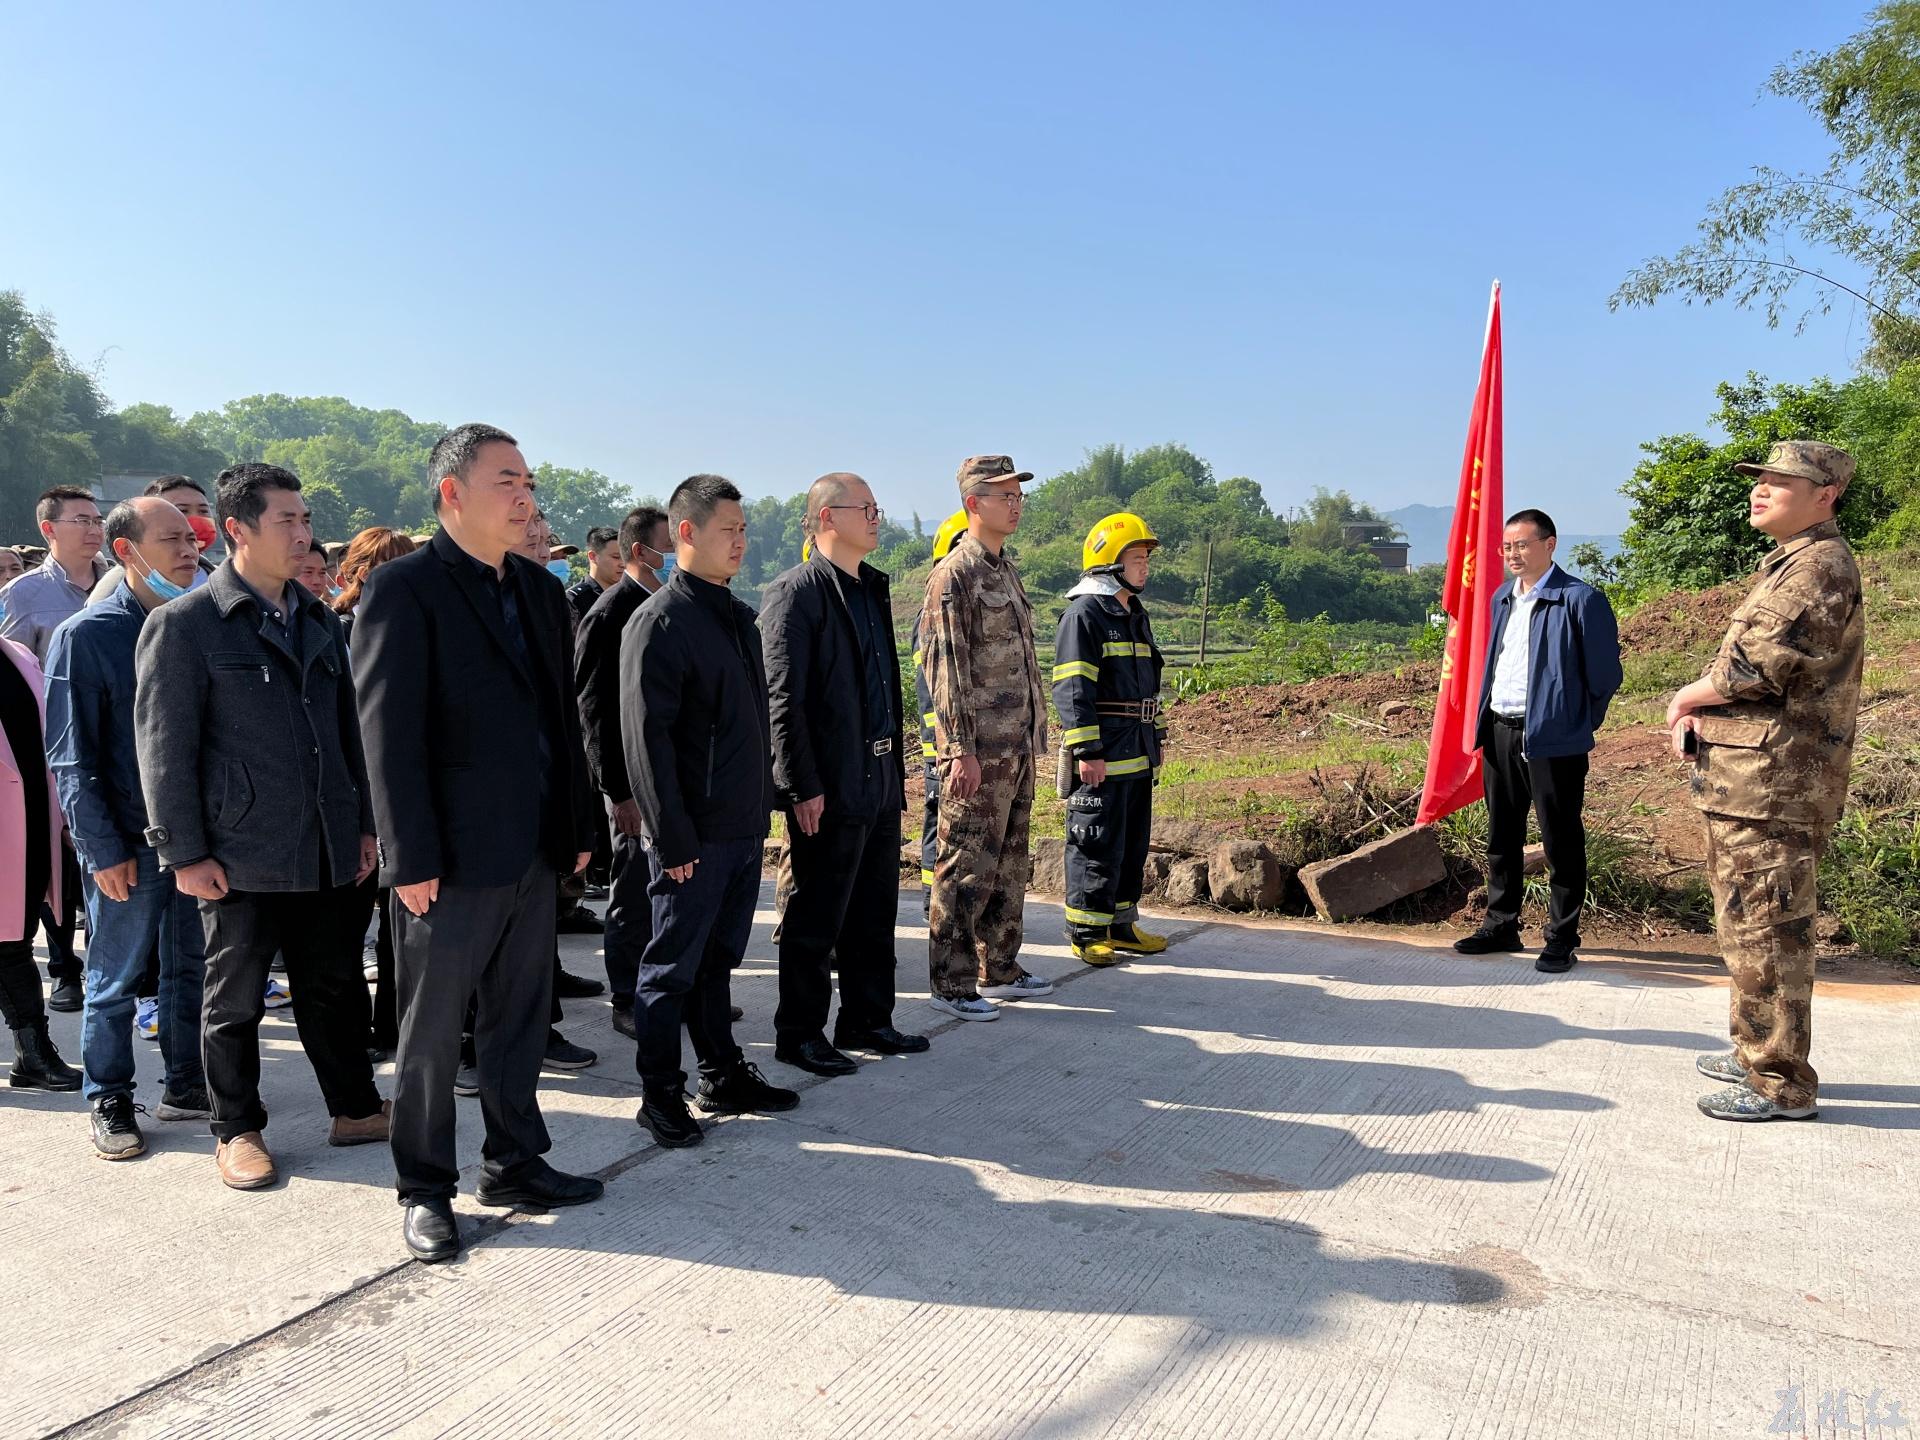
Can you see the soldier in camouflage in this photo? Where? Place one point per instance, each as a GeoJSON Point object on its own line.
{"type": "Point", "coordinates": [989, 724]}
{"type": "Point", "coordinates": [1771, 728]}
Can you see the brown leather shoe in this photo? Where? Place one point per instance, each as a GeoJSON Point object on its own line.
{"type": "Point", "coordinates": [371, 1130]}
{"type": "Point", "coordinates": [244, 1162]}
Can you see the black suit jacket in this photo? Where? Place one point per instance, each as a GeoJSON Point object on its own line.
{"type": "Point", "coordinates": [596, 684]}
{"type": "Point", "coordinates": [451, 718]}
{"type": "Point", "coordinates": [816, 673]}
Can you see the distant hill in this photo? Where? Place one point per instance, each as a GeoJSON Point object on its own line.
{"type": "Point", "coordinates": [1426, 527]}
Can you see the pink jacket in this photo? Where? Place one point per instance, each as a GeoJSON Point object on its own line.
{"type": "Point", "coordinates": [13, 812]}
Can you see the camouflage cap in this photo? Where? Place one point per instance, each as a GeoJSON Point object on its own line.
{"type": "Point", "coordinates": [983, 469]}
{"type": "Point", "coordinates": [1813, 460]}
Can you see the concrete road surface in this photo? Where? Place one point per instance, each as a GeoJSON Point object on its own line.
{"type": "Point", "coordinates": [1276, 1182]}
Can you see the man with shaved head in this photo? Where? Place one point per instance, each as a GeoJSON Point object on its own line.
{"type": "Point", "coordinates": [134, 908]}
{"type": "Point", "coordinates": [833, 674]}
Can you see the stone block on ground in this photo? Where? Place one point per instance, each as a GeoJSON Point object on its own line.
{"type": "Point", "coordinates": [1049, 866]}
{"type": "Point", "coordinates": [1153, 877]}
{"type": "Point", "coordinates": [1376, 875]}
{"type": "Point", "coordinates": [1533, 860]}
{"type": "Point", "coordinates": [1244, 875]}
{"type": "Point", "coordinates": [1187, 883]}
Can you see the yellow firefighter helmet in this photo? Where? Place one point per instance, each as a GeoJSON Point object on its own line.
{"type": "Point", "coordinates": [951, 529]}
{"type": "Point", "coordinates": [1108, 540]}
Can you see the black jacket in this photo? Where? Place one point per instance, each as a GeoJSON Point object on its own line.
{"type": "Point", "coordinates": [452, 718]}
{"type": "Point", "coordinates": [248, 753]}
{"type": "Point", "coordinates": [816, 674]}
{"type": "Point", "coordinates": [596, 685]}
{"type": "Point", "coordinates": [693, 718]}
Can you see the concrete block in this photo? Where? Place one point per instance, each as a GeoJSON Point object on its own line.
{"type": "Point", "coordinates": [1375, 875]}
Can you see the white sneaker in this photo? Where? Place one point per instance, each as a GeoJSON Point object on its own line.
{"type": "Point", "coordinates": [967, 1008]}
{"type": "Point", "coordinates": [1027, 987]}
{"type": "Point", "coordinates": [278, 995]}
{"type": "Point", "coordinates": [146, 1018]}
{"type": "Point", "coordinates": [370, 968]}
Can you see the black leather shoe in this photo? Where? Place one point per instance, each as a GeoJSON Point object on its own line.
{"type": "Point", "coordinates": [1556, 959]}
{"type": "Point", "coordinates": [431, 1232]}
{"type": "Point", "coordinates": [743, 1090]}
{"type": "Point", "coordinates": [624, 1022]}
{"type": "Point", "coordinates": [579, 921]}
{"type": "Point", "coordinates": [575, 987]}
{"type": "Point", "coordinates": [734, 1012]}
{"type": "Point", "coordinates": [466, 1080]}
{"type": "Point", "coordinates": [66, 997]}
{"type": "Point", "coordinates": [1502, 940]}
{"type": "Point", "coordinates": [883, 1040]}
{"type": "Point", "coordinates": [538, 1184]}
{"type": "Point", "coordinates": [665, 1116]}
{"type": "Point", "coordinates": [816, 1057]}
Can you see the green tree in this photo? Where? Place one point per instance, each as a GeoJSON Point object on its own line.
{"type": "Point", "coordinates": [50, 410]}
{"type": "Point", "coordinates": [1688, 505]}
{"type": "Point", "coordinates": [1782, 234]}
{"type": "Point", "coordinates": [1320, 523]}
{"type": "Point", "coordinates": [575, 501]}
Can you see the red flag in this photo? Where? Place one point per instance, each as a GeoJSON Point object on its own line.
{"type": "Point", "coordinates": [1473, 573]}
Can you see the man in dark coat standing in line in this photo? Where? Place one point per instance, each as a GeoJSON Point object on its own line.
{"type": "Point", "coordinates": [693, 721]}
{"type": "Point", "coordinates": [833, 670]}
{"type": "Point", "coordinates": [461, 654]}
{"type": "Point", "coordinates": [256, 787]}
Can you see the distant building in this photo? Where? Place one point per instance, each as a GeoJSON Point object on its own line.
{"type": "Point", "coordinates": [1376, 538]}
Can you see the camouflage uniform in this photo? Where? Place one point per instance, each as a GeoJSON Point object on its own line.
{"type": "Point", "coordinates": [983, 683]}
{"type": "Point", "coordinates": [1771, 778]}
{"type": "Point", "coordinates": [930, 804]}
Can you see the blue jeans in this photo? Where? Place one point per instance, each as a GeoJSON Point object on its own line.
{"type": "Point", "coordinates": [120, 935]}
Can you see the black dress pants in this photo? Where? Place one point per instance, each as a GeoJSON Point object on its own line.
{"type": "Point", "coordinates": [701, 926]}
{"type": "Point", "coordinates": [840, 913]}
{"type": "Point", "coordinates": [495, 945]}
{"type": "Point", "coordinates": [1555, 790]}
{"type": "Point", "coordinates": [22, 1005]}
{"type": "Point", "coordinates": [629, 917]}
{"type": "Point", "coordinates": [314, 930]}
{"type": "Point", "coordinates": [63, 963]}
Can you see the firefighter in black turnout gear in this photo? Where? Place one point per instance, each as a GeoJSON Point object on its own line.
{"type": "Point", "coordinates": [1106, 686]}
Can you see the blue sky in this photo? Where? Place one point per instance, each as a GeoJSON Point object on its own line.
{"type": "Point", "coordinates": [777, 240]}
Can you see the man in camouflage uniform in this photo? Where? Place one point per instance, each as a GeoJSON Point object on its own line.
{"type": "Point", "coordinates": [989, 724]}
{"type": "Point", "coordinates": [1771, 726]}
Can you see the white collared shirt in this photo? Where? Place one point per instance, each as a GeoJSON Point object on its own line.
{"type": "Point", "coordinates": [1511, 669]}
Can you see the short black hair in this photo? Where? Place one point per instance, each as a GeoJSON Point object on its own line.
{"type": "Point", "coordinates": [640, 522]}
{"type": "Point", "coordinates": [1539, 519]}
{"type": "Point", "coordinates": [453, 453]}
{"type": "Point", "coordinates": [54, 498]}
{"type": "Point", "coordinates": [696, 497]}
{"type": "Point", "coordinates": [176, 482]}
{"type": "Point", "coordinates": [601, 535]}
{"type": "Point", "coordinates": [244, 487]}
{"type": "Point", "coordinates": [124, 523]}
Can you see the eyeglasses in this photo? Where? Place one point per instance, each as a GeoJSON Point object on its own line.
{"type": "Point", "coordinates": [1012, 497]}
{"type": "Point", "coordinates": [85, 522]}
{"type": "Point", "coordinates": [1516, 547]}
{"type": "Point", "coordinates": [871, 511]}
